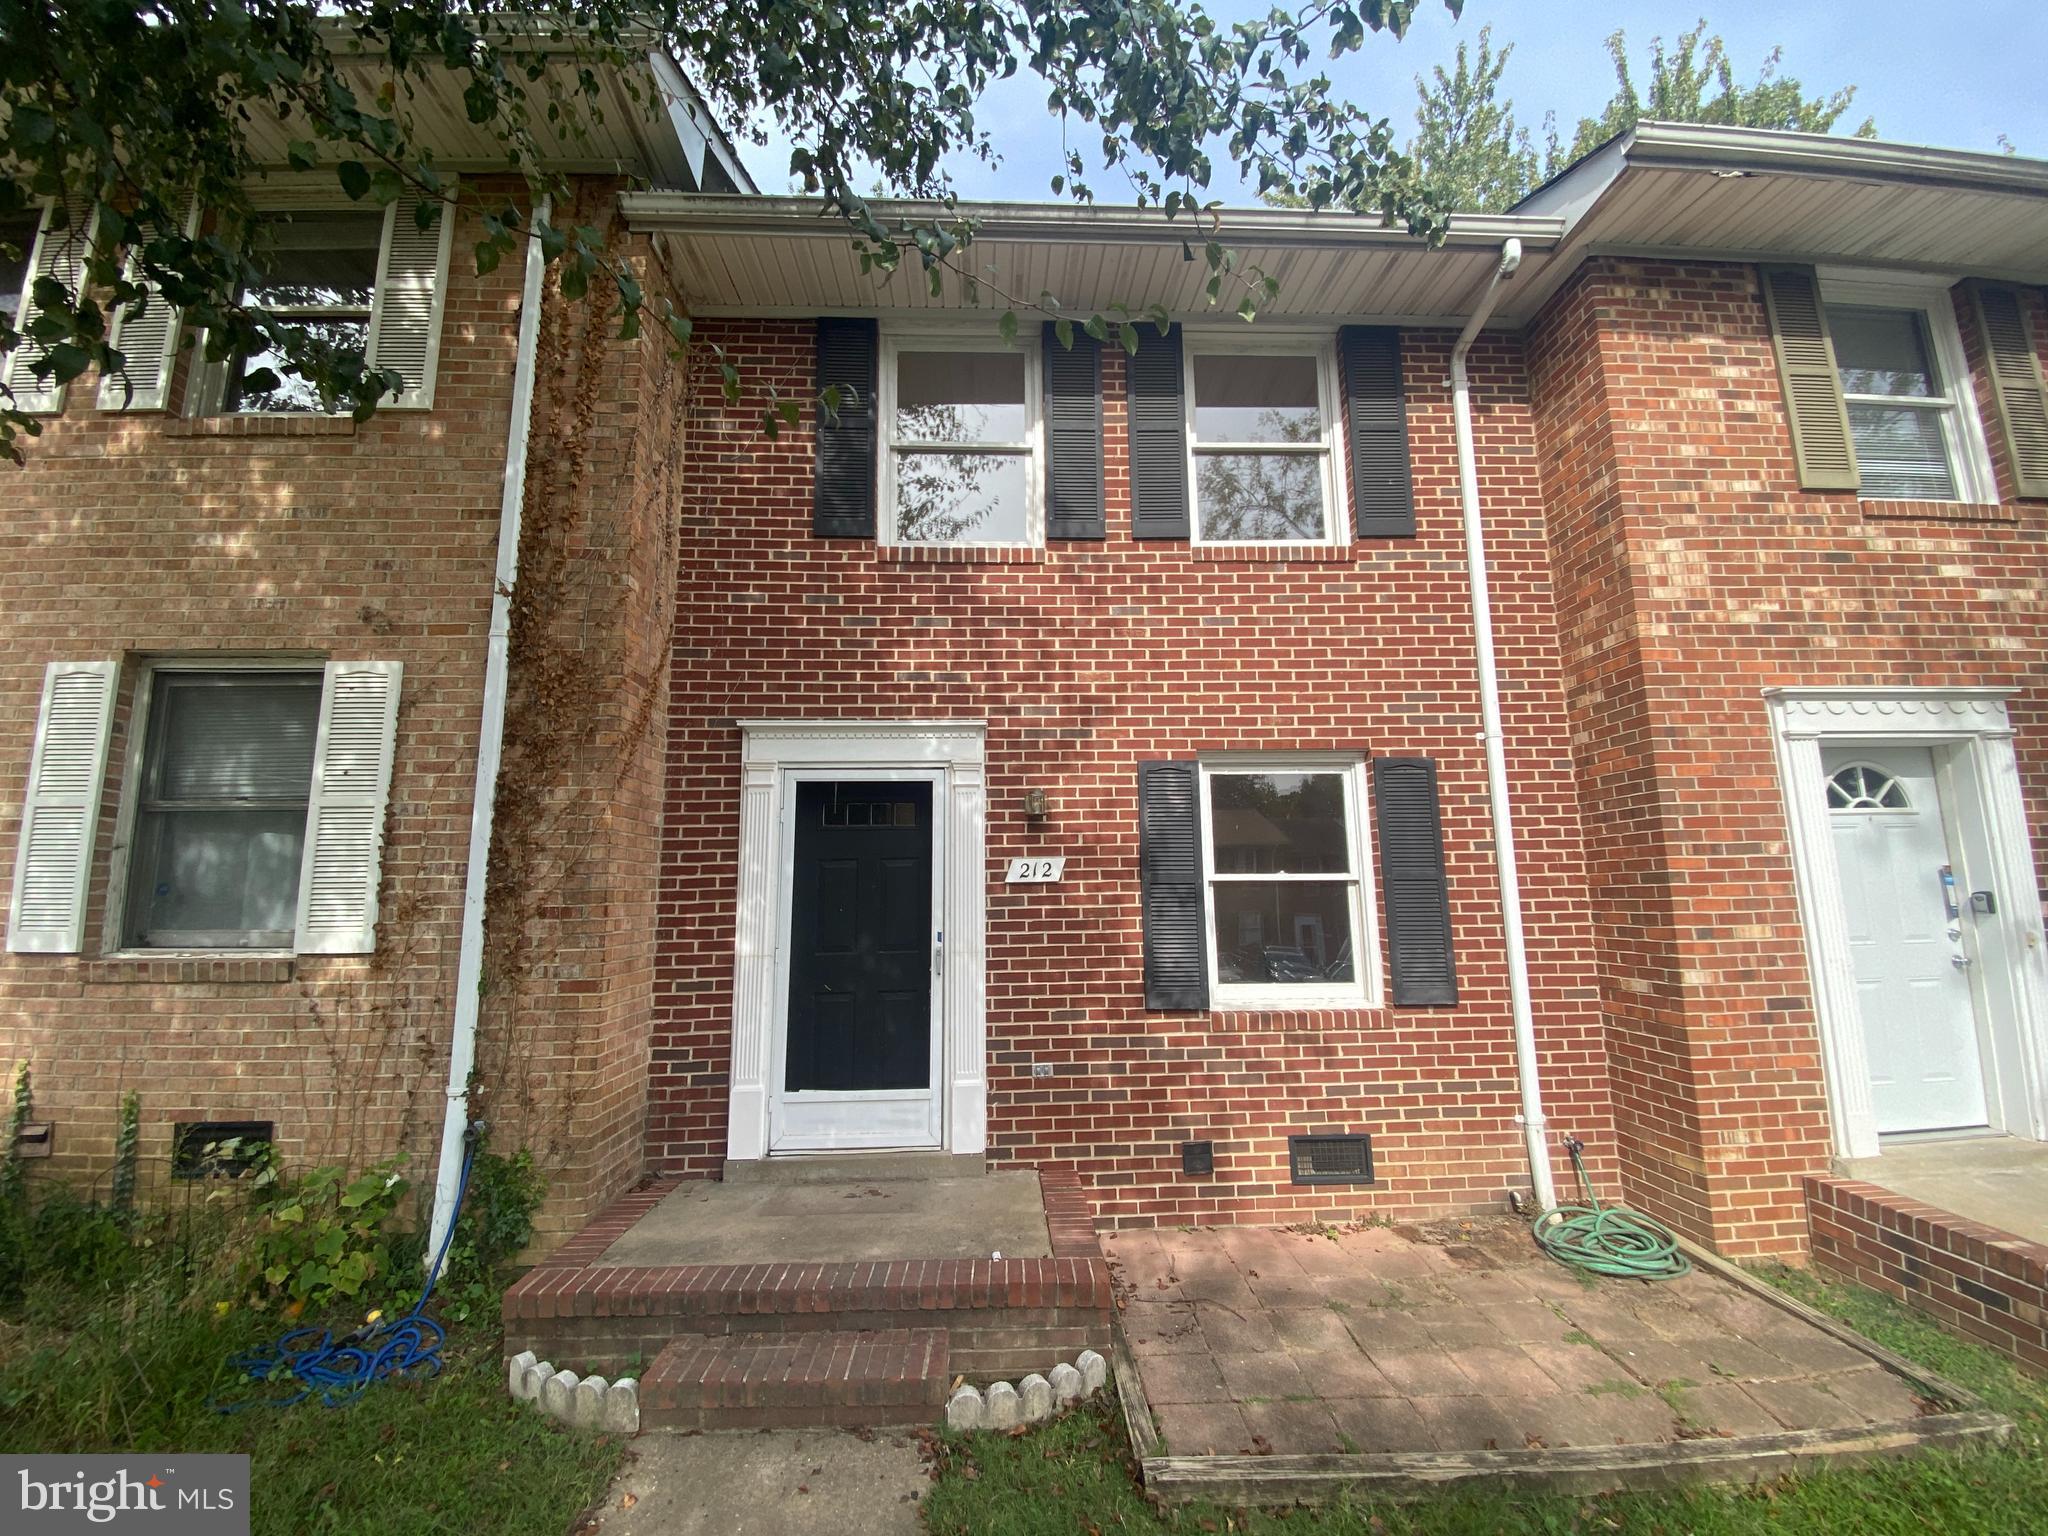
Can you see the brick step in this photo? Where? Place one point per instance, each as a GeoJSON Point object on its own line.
{"type": "Point", "coordinates": [1004, 1317]}
{"type": "Point", "coordinates": [759, 1381]}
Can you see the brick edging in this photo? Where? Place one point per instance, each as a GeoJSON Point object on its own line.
{"type": "Point", "coordinates": [1973, 1278]}
{"type": "Point", "coordinates": [1069, 1214]}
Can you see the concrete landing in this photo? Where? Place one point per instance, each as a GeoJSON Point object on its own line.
{"type": "Point", "coordinates": [843, 1222]}
{"type": "Point", "coordinates": [2001, 1181]}
{"type": "Point", "coordinates": [774, 1483]}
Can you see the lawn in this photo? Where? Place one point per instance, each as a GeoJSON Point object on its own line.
{"type": "Point", "coordinates": [453, 1454]}
{"type": "Point", "coordinates": [1076, 1475]}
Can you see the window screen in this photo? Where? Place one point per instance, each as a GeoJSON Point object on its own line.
{"type": "Point", "coordinates": [1900, 415]}
{"type": "Point", "coordinates": [319, 273]}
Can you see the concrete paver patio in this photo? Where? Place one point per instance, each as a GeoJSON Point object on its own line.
{"type": "Point", "coordinates": [1461, 1338]}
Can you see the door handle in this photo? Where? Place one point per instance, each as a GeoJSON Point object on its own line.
{"type": "Point", "coordinates": [1960, 961]}
{"type": "Point", "coordinates": [938, 954]}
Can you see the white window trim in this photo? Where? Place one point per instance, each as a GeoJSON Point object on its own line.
{"type": "Point", "coordinates": [910, 338]}
{"type": "Point", "coordinates": [140, 703]}
{"type": "Point", "coordinates": [1962, 429]}
{"type": "Point", "coordinates": [1208, 342]}
{"type": "Point", "coordinates": [1364, 990]}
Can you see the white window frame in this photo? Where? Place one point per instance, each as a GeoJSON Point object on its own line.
{"type": "Point", "coordinates": [1962, 430]}
{"type": "Point", "coordinates": [141, 707]}
{"type": "Point", "coordinates": [899, 339]}
{"type": "Point", "coordinates": [1363, 990]}
{"type": "Point", "coordinates": [1322, 345]}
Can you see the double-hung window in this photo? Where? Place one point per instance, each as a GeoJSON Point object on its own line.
{"type": "Point", "coordinates": [220, 817]}
{"type": "Point", "coordinates": [1262, 432]}
{"type": "Point", "coordinates": [961, 460]}
{"type": "Point", "coordinates": [1284, 872]}
{"type": "Point", "coordinates": [319, 272]}
{"type": "Point", "coordinates": [1906, 389]}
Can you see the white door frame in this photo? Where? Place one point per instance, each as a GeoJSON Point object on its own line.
{"type": "Point", "coordinates": [770, 751]}
{"type": "Point", "coordinates": [1974, 760]}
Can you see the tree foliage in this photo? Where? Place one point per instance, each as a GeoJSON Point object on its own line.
{"type": "Point", "coordinates": [1695, 83]}
{"type": "Point", "coordinates": [1470, 152]}
{"type": "Point", "coordinates": [131, 109]}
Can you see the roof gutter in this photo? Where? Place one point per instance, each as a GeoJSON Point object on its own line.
{"type": "Point", "coordinates": [785, 217]}
{"type": "Point", "coordinates": [469, 963]}
{"type": "Point", "coordinates": [1526, 1067]}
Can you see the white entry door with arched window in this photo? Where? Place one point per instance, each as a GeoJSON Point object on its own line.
{"type": "Point", "coordinates": [1902, 906]}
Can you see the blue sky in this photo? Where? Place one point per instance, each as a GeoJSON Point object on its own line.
{"type": "Point", "coordinates": [1954, 75]}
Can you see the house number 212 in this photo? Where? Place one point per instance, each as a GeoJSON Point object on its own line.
{"type": "Point", "coordinates": [1036, 871]}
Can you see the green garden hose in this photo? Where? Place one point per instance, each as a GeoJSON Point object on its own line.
{"type": "Point", "coordinates": [1608, 1239]}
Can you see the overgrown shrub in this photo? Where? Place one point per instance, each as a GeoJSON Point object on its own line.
{"type": "Point", "coordinates": [322, 1237]}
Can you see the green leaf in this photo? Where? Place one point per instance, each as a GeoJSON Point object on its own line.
{"type": "Point", "coordinates": [1008, 325]}
{"type": "Point", "coordinates": [355, 179]}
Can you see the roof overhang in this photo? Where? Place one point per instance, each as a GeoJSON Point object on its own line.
{"type": "Point", "coordinates": [1689, 190]}
{"type": "Point", "coordinates": [1662, 190]}
{"type": "Point", "coordinates": [787, 255]}
{"type": "Point", "coordinates": [650, 123]}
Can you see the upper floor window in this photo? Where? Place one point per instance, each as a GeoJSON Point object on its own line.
{"type": "Point", "coordinates": [1906, 388]}
{"type": "Point", "coordinates": [1261, 429]}
{"type": "Point", "coordinates": [962, 457]}
{"type": "Point", "coordinates": [17, 243]}
{"type": "Point", "coordinates": [319, 273]}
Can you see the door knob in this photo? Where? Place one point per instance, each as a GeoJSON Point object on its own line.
{"type": "Point", "coordinates": [1959, 961]}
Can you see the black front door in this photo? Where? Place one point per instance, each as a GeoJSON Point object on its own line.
{"type": "Point", "coordinates": [861, 951]}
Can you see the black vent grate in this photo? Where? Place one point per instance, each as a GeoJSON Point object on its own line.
{"type": "Point", "coordinates": [1330, 1159]}
{"type": "Point", "coordinates": [225, 1149]}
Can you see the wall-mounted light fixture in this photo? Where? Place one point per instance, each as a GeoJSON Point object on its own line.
{"type": "Point", "coordinates": [1036, 806]}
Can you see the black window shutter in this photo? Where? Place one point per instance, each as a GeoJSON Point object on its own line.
{"type": "Point", "coordinates": [843, 498]}
{"type": "Point", "coordinates": [1073, 438]}
{"type": "Point", "coordinates": [1412, 883]}
{"type": "Point", "coordinates": [1170, 885]}
{"type": "Point", "coordinates": [1382, 484]}
{"type": "Point", "coordinates": [1159, 437]}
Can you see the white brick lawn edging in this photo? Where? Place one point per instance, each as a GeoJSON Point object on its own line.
{"type": "Point", "coordinates": [590, 1402]}
{"type": "Point", "coordinates": [1031, 1401]}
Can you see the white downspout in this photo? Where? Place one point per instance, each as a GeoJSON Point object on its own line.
{"type": "Point", "coordinates": [469, 961]}
{"type": "Point", "coordinates": [1526, 1069]}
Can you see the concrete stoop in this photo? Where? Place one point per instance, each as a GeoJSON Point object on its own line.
{"type": "Point", "coordinates": [766, 1381]}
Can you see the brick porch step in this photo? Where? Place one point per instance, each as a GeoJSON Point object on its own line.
{"type": "Point", "coordinates": [756, 1381]}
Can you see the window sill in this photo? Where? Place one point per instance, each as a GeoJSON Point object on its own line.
{"type": "Point", "coordinates": [959, 554]}
{"type": "Point", "coordinates": [1274, 554]}
{"type": "Point", "coordinates": [158, 967]}
{"type": "Point", "coordinates": [260, 426]}
{"type": "Point", "coordinates": [1356, 1014]}
{"type": "Point", "coordinates": [1937, 511]}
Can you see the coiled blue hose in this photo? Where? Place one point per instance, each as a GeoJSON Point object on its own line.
{"type": "Point", "coordinates": [338, 1371]}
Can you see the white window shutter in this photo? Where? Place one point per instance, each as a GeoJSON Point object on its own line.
{"type": "Point", "coordinates": [65, 774]}
{"type": "Point", "coordinates": [412, 280]}
{"type": "Point", "coordinates": [149, 342]}
{"type": "Point", "coordinates": [345, 817]}
{"type": "Point", "coordinates": [58, 253]}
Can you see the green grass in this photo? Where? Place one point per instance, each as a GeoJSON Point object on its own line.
{"type": "Point", "coordinates": [453, 1454]}
{"type": "Point", "coordinates": [1075, 1475]}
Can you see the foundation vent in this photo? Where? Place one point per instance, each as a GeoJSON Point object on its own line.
{"type": "Point", "coordinates": [1330, 1159]}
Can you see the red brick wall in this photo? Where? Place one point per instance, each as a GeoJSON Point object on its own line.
{"type": "Point", "coordinates": [1083, 663]}
{"type": "Point", "coordinates": [1972, 1278]}
{"type": "Point", "coordinates": [1692, 574]}
{"type": "Point", "coordinates": [134, 536]}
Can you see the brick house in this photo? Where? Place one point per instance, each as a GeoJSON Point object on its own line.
{"type": "Point", "coordinates": [1074, 759]}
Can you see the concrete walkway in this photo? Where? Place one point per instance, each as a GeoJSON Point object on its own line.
{"type": "Point", "coordinates": [822, 1482]}
{"type": "Point", "coordinates": [1461, 1338]}
{"type": "Point", "coordinates": [2001, 1181]}
{"type": "Point", "coordinates": [808, 1223]}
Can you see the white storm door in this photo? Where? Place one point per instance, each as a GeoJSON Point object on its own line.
{"type": "Point", "coordinates": [1912, 981]}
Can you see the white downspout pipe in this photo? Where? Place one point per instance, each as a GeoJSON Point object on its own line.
{"type": "Point", "coordinates": [469, 961]}
{"type": "Point", "coordinates": [1526, 1069]}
